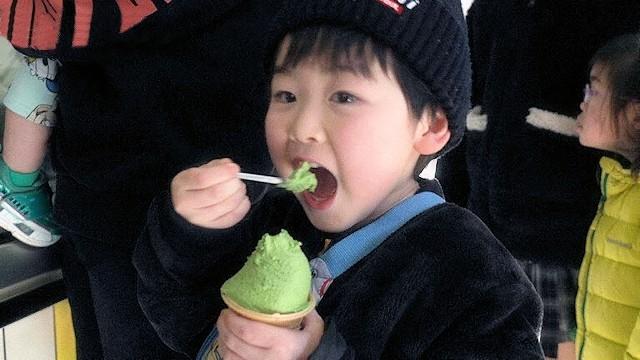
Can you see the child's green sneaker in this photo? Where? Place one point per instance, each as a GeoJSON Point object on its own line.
{"type": "Point", "coordinates": [26, 211]}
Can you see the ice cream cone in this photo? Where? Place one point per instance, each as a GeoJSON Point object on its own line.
{"type": "Point", "coordinates": [290, 320]}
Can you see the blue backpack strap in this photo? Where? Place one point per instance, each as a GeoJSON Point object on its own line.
{"type": "Point", "coordinates": [209, 349]}
{"type": "Point", "coordinates": [357, 245]}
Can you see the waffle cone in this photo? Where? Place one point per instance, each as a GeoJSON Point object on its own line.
{"type": "Point", "coordinates": [290, 320]}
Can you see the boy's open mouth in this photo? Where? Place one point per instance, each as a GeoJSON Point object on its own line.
{"type": "Point", "coordinates": [326, 189]}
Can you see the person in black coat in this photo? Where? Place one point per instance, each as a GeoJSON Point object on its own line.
{"type": "Point", "coordinates": [147, 89]}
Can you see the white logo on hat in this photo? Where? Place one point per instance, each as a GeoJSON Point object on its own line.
{"type": "Point", "coordinates": [410, 4]}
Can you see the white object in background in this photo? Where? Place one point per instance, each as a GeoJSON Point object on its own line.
{"type": "Point", "coordinates": [31, 338]}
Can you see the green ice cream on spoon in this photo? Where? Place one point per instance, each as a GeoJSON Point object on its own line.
{"type": "Point", "coordinates": [276, 277]}
{"type": "Point", "coordinates": [301, 179]}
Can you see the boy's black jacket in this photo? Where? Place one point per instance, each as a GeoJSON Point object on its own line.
{"type": "Point", "coordinates": [440, 287]}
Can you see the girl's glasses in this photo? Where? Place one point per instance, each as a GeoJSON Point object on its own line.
{"type": "Point", "coordinates": [588, 93]}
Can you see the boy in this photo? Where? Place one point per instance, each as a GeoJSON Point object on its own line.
{"type": "Point", "coordinates": [366, 91]}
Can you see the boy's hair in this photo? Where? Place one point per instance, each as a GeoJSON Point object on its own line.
{"type": "Point", "coordinates": [620, 59]}
{"type": "Point", "coordinates": [341, 47]}
{"type": "Point", "coordinates": [427, 38]}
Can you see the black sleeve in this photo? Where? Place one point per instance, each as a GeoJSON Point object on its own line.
{"type": "Point", "coordinates": [180, 270]}
{"type": "Point", "coordinates": [181, 267]}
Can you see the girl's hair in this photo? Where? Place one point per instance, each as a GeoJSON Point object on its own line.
{"type": "Point", "coordinates": [620, 57]}
{"type": "Point", "coordinates": [346, 47]}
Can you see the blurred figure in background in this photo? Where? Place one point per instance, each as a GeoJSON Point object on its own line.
{"type": "Point", "coordinates": [147, 89]}
{"type": "Point", "coordinates": [521, 167]}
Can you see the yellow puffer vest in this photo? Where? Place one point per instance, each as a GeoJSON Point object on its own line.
{"type": "Point", "coordinates": [608, 301]}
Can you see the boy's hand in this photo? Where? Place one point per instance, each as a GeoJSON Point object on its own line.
{"type": "Point", "coordinates": [211, 195]}
{"type": "Point", "coordinates": [241, 338]}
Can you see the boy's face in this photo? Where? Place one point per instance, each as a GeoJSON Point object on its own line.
{"type": "Point", "coordinates": [356, 131]}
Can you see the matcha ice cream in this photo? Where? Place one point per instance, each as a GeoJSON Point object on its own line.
{"type": "Point", "coordinates": [276, 277]}
{"type": "Point", "coordinates": [301, 179]}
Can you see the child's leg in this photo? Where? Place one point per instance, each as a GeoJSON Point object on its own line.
{"type": "Point", "coordinates": [110, 324]}
{"type": "Point", "coordinates": [24, 143]}
{"type": "Point", "coordinates": [25, 197]}
{"type": "Point", "coordinates": [85, 325]}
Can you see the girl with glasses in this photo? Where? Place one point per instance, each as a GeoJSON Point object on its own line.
{"type": "Point", "coordinates": [608, 301]}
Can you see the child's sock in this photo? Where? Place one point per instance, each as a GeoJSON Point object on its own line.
{"type": "Point", "coordinates": [23, 179]}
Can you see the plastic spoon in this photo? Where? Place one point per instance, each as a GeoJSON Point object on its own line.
{"type": "Point", "coordinates": [260, 178]}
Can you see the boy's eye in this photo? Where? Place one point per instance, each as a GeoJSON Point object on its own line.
{"type": "Point", "coordinates": [343, 97]}
{"type": "Point", "coordinates": [284, 97]}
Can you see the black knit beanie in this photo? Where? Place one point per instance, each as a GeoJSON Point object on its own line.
{"type": "Point", "coordinates": [429, 36]}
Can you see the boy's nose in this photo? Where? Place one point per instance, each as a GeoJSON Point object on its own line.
{"type": "Point", "coordinates": [306, 127]}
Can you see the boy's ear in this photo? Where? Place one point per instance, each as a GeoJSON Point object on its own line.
{"type": "Point", "coordinates": [433, 132]}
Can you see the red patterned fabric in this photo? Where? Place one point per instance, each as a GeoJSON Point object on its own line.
{"type": "Point", "coordinates": [82, 26]}
{"type": "Point", "coordinates": [36, 24]}
{"type": "Point", "coordinates": [134, 11]}
{"type": "Point", "coordinates": [33, 24]}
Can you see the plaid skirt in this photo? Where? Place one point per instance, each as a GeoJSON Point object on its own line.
{"type": "Point", "coordinates": [557, 286]}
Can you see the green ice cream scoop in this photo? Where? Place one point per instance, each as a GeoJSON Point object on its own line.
{"type": "Point", "coordinates": [275, 279]}
{"type": "Point", "coordinates": [301, 179]}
